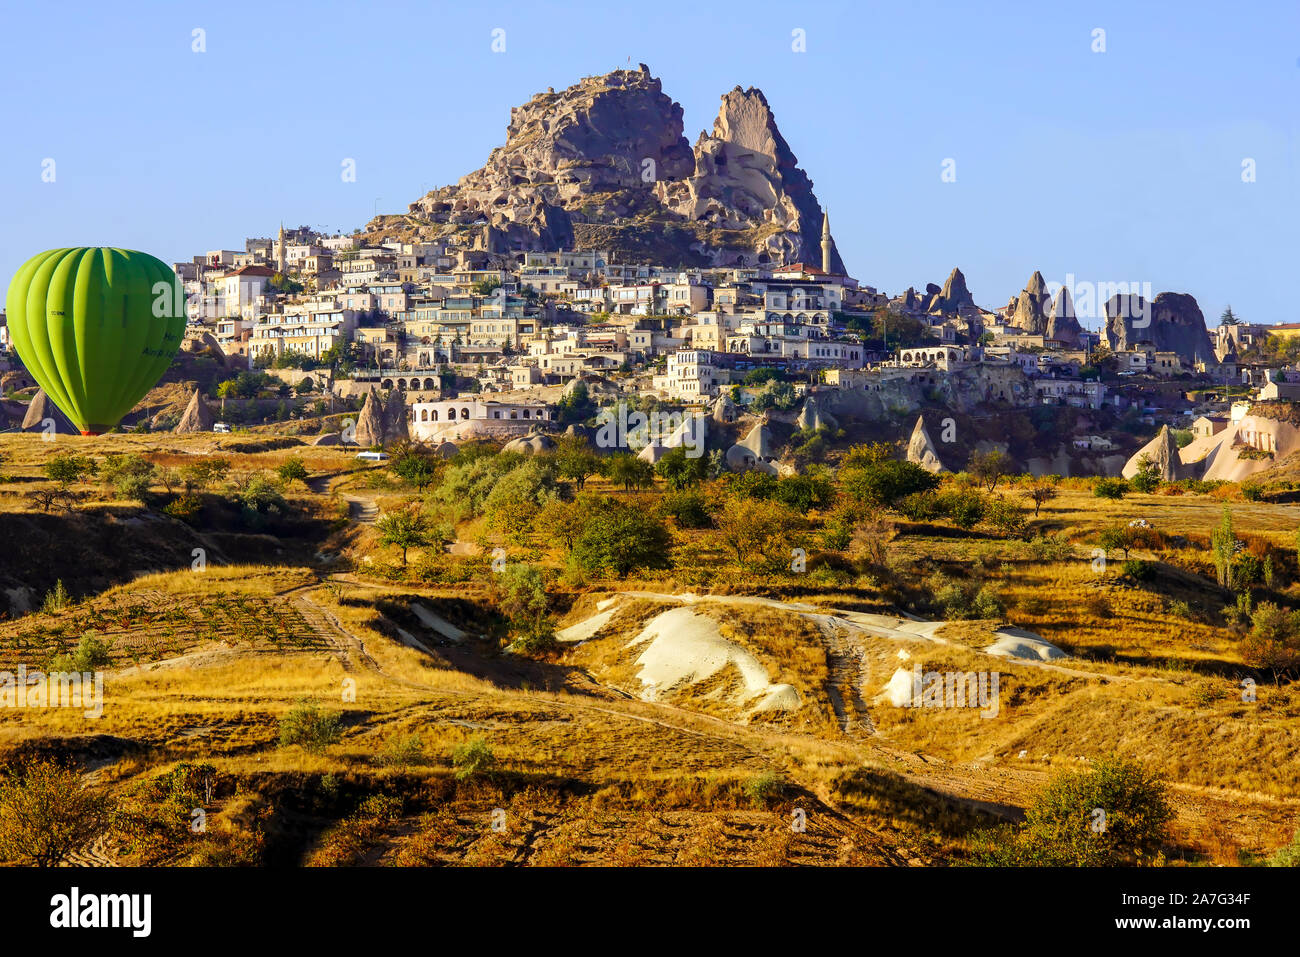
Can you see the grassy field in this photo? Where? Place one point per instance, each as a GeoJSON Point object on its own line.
{"type": "Point", "coordinates": [441, 751]}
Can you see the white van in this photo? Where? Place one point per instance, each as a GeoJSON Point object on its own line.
{"type": "Point", "coordinates": [220, 427]}
{"type": "Point", "coordinates": [373, 456]}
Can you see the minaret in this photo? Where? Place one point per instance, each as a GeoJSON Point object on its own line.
{"type": "Point", "coordinates": [826, 242]}
{"type": "Point", "coordinates": [279, 258]}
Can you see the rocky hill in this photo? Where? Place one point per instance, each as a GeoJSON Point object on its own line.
{"type": "Point", "coordinates": [1172, 322]}
{"type": "Point", "coordinates": [604, 165]}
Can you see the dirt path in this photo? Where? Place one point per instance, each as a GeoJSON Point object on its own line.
{"type": "Point", "coordinates": [94, 854]}
{"type": "Point", "coordinates": [362, 509]}
{"type": "Point", "coordinates": [846, 659]}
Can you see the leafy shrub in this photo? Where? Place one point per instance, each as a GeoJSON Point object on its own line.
{"type": "Point", "coordinates": [1114, 813]}
{"type": "Point", "coordinates": [56, 599]}
{"type": "Point", "coordinates": [805, 492]}
{"type": "Point", "coordinates": [957, 601]}
{"type": "Point", "coordinates": [751, 484]}
{"type": "Point", "coordinates": [67, 467]}
{"type": "Point", "coordinates": [134, 488]}
{"type": "Point", "coordinates": [1111, 488]}
{"type": "Point", "coordinates": [964, 506]}
{"type": "Point", "coordinates": [1252, 491]}
{"type": "Point", "coordinates": [1049, 548]}
{"type": "Point", "coordinates": [758, 534]}
{"type": "Point", "coordinates": [1274, 639]}
{"type": "Point", "coordinates": [837, 534]}
{"type": "Point", "coordinates": [292, 470]}
{"type": "Point", "coordinates": [680, 470]}
{"type": "Point", "coordinates": [402, 750]}
{"type": "Point", "coordinates": [620, 538]}
{"type": "Point", "coordinates": [414, 465]}
{"type": "Point", "coordinates": [882, 484]}
{"type": "Point", "coordinates": [1138, 569]}
{"type": "Point", "coordinates": [521, 596]}
{"type": "Point", "coordinates": [763, 789]}
{"type": "Point", "coordinates": [472, 757]}
{"type": "Point", "coordinates": [260, 493]}
{"type": "Point", "coordinates": [1288, 856]}
{"type": "Point", "coordinates": [688, 509]}
{"type": "Point", "coordinates": [1147, 479]}
{"type": "Point", "coordinates": [1097, 606]}
{"type": "Point", "coordinates": [920, 506]}
{"type": "Point", "coordinates": [310, 727]}
{"type": "Point", "coordinates": [986, 603]}
{"type": "Point", "coordinates": [92, 654]}
{"type": "Point", "coordinates": [1005, 518]}
{"type": "Point", "coordinates": [156, 812]}
{"type": "Point", "coordinates": [1204, 694]}
{"type": "Point", "coordinates": [185, 507]}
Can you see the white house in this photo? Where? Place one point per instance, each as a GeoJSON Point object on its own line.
{"type": "Point", "coordinates": [453, 419]}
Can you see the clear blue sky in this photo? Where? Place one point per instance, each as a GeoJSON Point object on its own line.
{"type": "Point", "coordinates": [1117, 166]}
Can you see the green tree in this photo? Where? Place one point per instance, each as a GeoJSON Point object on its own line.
{"type": "Point", "coordinates": [283, 284]}
{"type": "Point", "coordinates": [687, 508]}
{"type": "Point", "coordinates": [629, 471]}
{"type": "Point", "coordinates": [988, 467]}
{"type": "Point", "coordinates": [292, 470]}
{"type": "Point", "coordinates": [620, 538]}
{"type": "Point", "coordinates": [1147, 479]}
{"type": "Point", "coordinates": [759, 534]}
{"type": "Point", "coordinates": [762, 375]}
{"type": "Point", "coordinates": [964, 505]}
{"type": "Point", "coordinates": [1111, 488]}
{"type": "Point", "coordinates": [206, 472]}
{"type": "Point", "coordinates": [227, 390]}
{"type": "Point", "coordinates": [1005, 518]}
{"type": "Point", "coordinates": [1120, 538]}
{"type": "Point", "coordinates": [562, 522]}
{"type": "Point", "coordinates": [47, 812]}
{"type": "Point", "coordinates": [1223, 549]}
{"type": "Point", "coordinates": [881, 485]}
{"type": "Point", "coordinates": [521, 596]}
{"type": "Point", "coordinates": [1274, 640]}
{"type": "Point", "coordinates": [575, 460]}
{"type": "Point", "coordinates": [67, 467]}
{"type": "Point", "coordinates": [872, 453]}
{"type": "Point", "coordinates": [1040, 492]}
{"type": "Point", "coordinates": [405, 529]}
{"type": "Point", "coordinates": [774, 394]}
{"type": "Point", "coordinates": [804, 493]}
{"type": "Point", "coordinates": [414, 465]}
{"type": "Point", "coordinates": [260, 493]}
{"type": "Point", "coordinates": [680, 470]}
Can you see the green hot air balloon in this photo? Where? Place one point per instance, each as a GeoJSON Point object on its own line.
{"type": "Point", "coordinates": [96, 327]}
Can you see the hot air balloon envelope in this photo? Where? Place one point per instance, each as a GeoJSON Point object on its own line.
{"type": "Point", "coordinates": [96, 327]}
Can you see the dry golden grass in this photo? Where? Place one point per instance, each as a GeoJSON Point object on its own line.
{"type": "Point", "coordinates": [588, 776]}
{"type": "Point", "coordinates": [1079, 511]}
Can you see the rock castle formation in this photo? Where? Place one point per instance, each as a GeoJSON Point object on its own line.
{"type": "Point", "coordinates": [604, 165]}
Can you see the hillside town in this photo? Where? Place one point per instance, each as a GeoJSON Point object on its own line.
{"type": "Point", "coordinates": [476, 339]}
{"type": "Point", "coordinates": [557, 280]}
